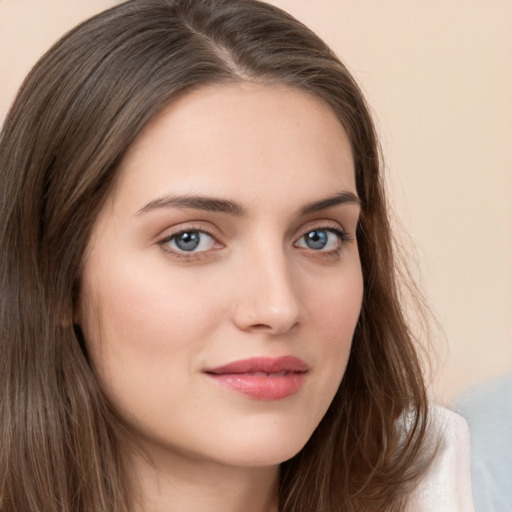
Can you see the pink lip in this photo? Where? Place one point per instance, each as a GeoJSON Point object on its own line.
{"type": "Point", "coordinates": [263, 378]}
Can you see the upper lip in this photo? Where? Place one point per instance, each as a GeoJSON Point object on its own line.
{"type": "Point", "coordinates": [262, 364]}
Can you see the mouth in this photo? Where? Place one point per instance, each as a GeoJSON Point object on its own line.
{"type": "Point", "coordinates": [262, 378]}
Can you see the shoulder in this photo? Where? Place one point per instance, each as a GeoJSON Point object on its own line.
{"type": "Point", "coordinates": [487, 407]}
{"type": "Point", "coordinates": [446, 486]}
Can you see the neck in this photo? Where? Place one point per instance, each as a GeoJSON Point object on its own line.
{"type": "Point", "coordinates": [175, 483]}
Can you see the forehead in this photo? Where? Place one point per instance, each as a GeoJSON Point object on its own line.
{"type": "Point", "coordinates": [243, 135]}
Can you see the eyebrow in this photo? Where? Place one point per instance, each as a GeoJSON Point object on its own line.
{"type": "Point", "coordinates": [330, 202]}
{"type": "Point", "coordinates": [234, 208]}
{"type": "Point", "coordinates": [197, 203]}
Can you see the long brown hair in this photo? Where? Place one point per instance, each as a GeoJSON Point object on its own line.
{"type": "Point", "coordinates": [75, 116]}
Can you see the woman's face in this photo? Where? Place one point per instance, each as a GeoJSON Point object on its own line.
{"type": "Point", "coordinates": [222, 282]}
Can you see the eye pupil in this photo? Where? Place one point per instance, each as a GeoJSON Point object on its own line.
{"type": "Point", "coordinates": [187, 241]}
{"type": "Point", "coordinates": [316, 239]}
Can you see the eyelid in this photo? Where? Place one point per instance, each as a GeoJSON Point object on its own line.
{"type": "Point", "coordinates": [193, 225]}
{"type": "Point", "coordinates": [328, 225]}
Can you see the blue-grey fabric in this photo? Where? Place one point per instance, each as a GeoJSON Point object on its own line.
{"type": "Point", "coordinates": [487, 408]}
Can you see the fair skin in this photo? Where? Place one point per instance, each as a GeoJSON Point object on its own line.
{"type": "Point", "coordinates": [261, 266]}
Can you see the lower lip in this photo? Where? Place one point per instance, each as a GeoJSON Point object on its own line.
{"type": "Point", "coordinates": [268, 387]}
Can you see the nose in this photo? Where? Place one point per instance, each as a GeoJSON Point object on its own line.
{"type": "Point", "coordinates": [267, 297]}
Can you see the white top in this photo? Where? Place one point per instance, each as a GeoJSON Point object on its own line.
{"type": "Point", "coordinates": [446, 487]}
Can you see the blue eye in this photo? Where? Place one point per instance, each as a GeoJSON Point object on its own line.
{"type": "Point", "coordinates": [191, 241]}
{"type": "Point", "coordinates": [321, 240]}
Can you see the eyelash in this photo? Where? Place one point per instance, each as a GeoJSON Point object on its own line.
{"type": "Point", "coordinates": [163, 243]}
{"type": "Point", "coordinates": [343, 238]}
{"type": "Point", "coordinates": [330, 255]}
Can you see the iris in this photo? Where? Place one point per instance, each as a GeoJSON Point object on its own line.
{"type": "Point", "coordinates": [316, 239]}
{"type": "Point", "coordinates": [187, 241]}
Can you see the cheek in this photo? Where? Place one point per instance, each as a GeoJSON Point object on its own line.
{"type": "Point", "coordinates": [334, 311]}
{"type": "Point", "coordinates": [337, 304]}
{"type": "Point", "coordinates": [147, 312]}
{"type": "Point", "coordinates": [147, 328]}
{"type": "Point", "coordinates": [143, 333]}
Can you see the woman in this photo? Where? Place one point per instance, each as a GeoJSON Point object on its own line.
{"type": "Point", "coordinates": [199, 299]}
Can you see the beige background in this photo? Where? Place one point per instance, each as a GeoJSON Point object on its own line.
{"type": "Point", "coordinates": [439, 77]}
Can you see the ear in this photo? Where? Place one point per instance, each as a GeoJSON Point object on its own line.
{"type": "Point", "coordinates": [67, 323]}
{"type": "Point", "coordinates": [70, 317]}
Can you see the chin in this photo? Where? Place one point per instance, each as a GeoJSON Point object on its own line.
{"type": "Point", "coordinates": [268, 450]}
